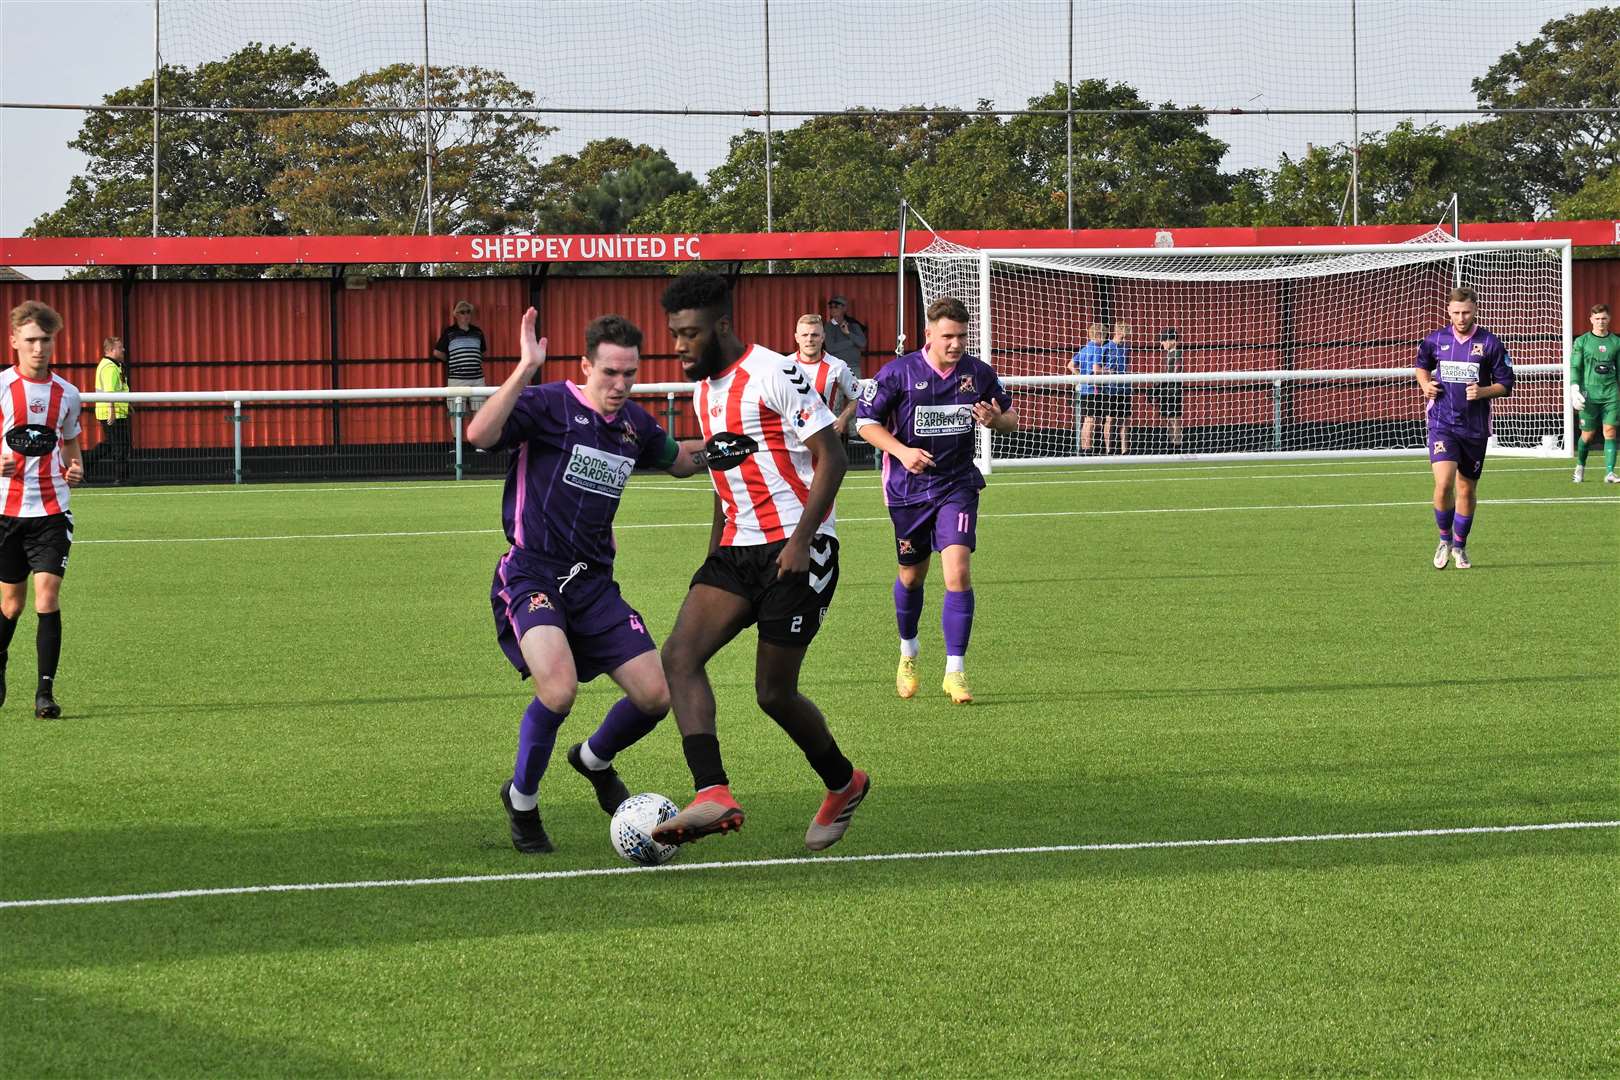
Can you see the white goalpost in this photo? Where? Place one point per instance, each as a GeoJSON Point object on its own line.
{"type": "Point", "coordinates": [1280, 352]}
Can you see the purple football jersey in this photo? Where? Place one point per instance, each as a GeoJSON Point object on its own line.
{"type": "Point", "coordinates": [933, 410]}
{"type": "Point", "coordinates": [1480, 358]}
{"type": "Point", "coordinates": [569, 467]}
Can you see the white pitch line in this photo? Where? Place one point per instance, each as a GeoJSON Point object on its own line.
{"type": "Point", "coordinates": [823, 860]}
{"type": "Point", "coordinates": [1576, 500]}
{"type": "Point", "coordinates": [1108, 474]}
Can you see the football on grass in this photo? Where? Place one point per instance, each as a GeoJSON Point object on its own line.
{"type": "Point", "coordinates": [633, 824]}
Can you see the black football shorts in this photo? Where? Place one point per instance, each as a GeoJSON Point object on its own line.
{"type": "Point", "coordinates": [34, 545]}
{"type": "Point", "coordinates": [789, 610]}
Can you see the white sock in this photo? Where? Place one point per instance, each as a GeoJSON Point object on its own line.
{"type": "Point", "coordinates": [592, 762]}
{"type": "Point", "coordinates": [953, 663]}
{"type": "Point", "coordinates": [521, 801]}
{"type": "Point", "coordinates": [908, 647]}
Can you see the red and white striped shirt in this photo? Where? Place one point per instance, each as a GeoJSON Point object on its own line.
{"type": "Point", "coordinates": [37, 488]}
{"type": "Point", "coordinates": [767, 397]}
{"type": "Point", "coordinates": [828, 373]}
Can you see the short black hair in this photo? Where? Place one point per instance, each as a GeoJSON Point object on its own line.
{"type": "Point", "coordinates": [613, 329]}
{"type": "Point", "coordinates": [700, 290]}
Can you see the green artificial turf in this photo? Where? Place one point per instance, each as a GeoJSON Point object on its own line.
{"type": "Point", "coordinates": [285, 686]}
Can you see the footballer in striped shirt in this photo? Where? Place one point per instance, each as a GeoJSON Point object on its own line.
{"type": "Point", "coordinates": [776, 463]}
{"type": "Point", "coordinates": [39, 462]}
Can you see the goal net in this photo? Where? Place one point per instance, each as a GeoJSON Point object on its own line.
{"type": "Point", "coordinates": [1275, 351]}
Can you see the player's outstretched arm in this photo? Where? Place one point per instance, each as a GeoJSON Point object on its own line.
{"type": "Point", "coordinates": [1426, 383]}
{"type": "Point", "coordinates": [687, 460]}
{"type": "Point", "coordinates": [828, 464]}
{"type": "Point", "coordinates": [487, 423]}
{"type": "Point", "coordinates": [914, 459]}
{"type": "Point", "coordinates": [72, 461]}
{"type": "Point", "coordinates": [717, 525]}
{"type": "Point", "coordinates": [990, 415]}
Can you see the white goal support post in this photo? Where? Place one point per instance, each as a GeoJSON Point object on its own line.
{"type": "Point", "coordinates": [1278, 352]}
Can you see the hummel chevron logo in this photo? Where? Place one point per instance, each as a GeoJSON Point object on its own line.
{"type": "Point", "coordinates": [819, 583]}
{"type": "Point", "coordinates": [820, 557]}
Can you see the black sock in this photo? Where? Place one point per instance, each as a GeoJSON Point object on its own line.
{"type": "Point", "coordinates": [7, 628]}
{"type": "Point", "coordinates": [832, 766]}
{"type": "Point", "coordinates": [49, 643]}
{"type": "Point", "coordinates": [703, 758]}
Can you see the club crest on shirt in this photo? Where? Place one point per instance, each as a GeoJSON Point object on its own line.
{"type": "Point", "coordinates": [869, 391]}
{"type": "Point", "coordinates": [629, 436]}
{"type": "Point", "coordinates": [36, 406]}
{"type": "Point", "coordinates": [540, 600]}
{"type": "Point", "coordinates": [967, 385]}
{"type": "Point", "coordinates": [1478, 349]}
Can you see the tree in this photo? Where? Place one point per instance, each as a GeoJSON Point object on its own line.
{"type": "Point", "coordinates": [1574, 63]}
{"type": "Point", "coordinates": [365, 172]}
{"type": "Point", "coordinates": [214, 169]}
{"type": "Point", "coordinates": [1132, 168]}
{"type": "Point", "coordinates": [967, 170]}
{"type": "Point", "coordinates": [1405, 175]}
{"type": "Point", "coordinates": [609, 183]}
{"type": "Point", "coordinates": [829, 173]}
{"type": "Point", "coordinates": [1597, 201]}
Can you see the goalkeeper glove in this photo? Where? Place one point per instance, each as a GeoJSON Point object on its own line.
{"type": "Point", "coordinates": [1576, 398]}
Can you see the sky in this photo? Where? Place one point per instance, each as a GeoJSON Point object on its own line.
{"type": "Point", "coordinates": [1410, 55]}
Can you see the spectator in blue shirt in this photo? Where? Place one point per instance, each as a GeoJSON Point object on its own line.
{"type": "Point", "coordinates": [1117, 397]}
{"type": "Point", "coordinates": [1089, 361]}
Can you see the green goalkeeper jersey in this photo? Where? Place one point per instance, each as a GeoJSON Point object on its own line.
{"type": "Point", "coordinates": [1593, 363]}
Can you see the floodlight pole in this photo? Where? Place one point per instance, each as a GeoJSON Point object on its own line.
{"type": "Point", "coordinates": [1355, 122]}
{"type": "Point", "coordinates": [1068, 120]}
{"type": "Point", "coordinates": [770, 217]}
{"type": "Point", "coordinates": [157, 64]}
{"type": "Point", "coordinates": [427, 127]}
{"type": "Point", "coordinates": [900, 288]}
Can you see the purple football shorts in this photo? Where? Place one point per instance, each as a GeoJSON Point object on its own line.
{"type": "Point", "coordinates": [1447, 445]}
{"type": "Point", "coordinates": [603, 631]}
{"type": "Point", "coordinates": [921, 530]}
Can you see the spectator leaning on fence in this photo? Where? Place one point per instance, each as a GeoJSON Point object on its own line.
{"type": "Point", "coordinates": [461, 347]}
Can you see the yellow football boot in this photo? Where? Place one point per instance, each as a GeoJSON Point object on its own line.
{"type": "Point", "coordinates": [905, 679]}
{"type": "Point", "coordinates": [956, 686]}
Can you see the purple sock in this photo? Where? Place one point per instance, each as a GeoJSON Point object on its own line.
{"type": "Point", "coordinates": [537, 734]}
{"type": "Point", "coordinates": [957, 621]}
{"type": "Point", "coordinates": [621, 728]}
{"type": "Point", "coordinates": [908, 605]}
{"type": "Point", "coordinates": [1443, 519]}
{"type": "Point", "coordinates": [1459, 529]}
